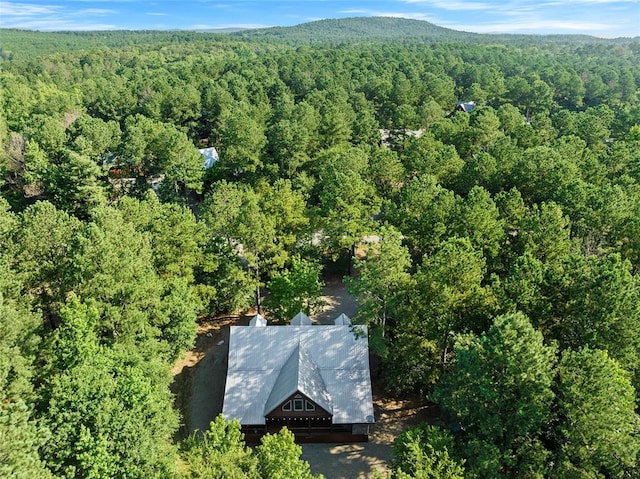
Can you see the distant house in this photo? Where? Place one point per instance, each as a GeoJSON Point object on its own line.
{"type": "Point", "coordinates": [314, 379]}
{"type": "Point", "coordinates": [123, 176]}
{"type": "Point", "coordinates": [465, 106]}
{"type": "Point", "coordinates": [210, 156]}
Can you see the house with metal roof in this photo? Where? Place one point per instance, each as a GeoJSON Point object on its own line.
{"type": "Point", "coordinates": [314, 379]}
{"type": "Point", "coordinates": [466, 106]}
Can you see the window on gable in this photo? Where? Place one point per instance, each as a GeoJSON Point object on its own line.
{"type": "Point", "coordinates": [298, 405]}
{"type": "Point", "coordinates": [286, 406]}
{"type": "Point", "coordinates": [309, 406]}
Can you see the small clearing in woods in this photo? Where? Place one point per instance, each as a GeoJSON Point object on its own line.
{"type": "Point", "coordinates": [199, 388]}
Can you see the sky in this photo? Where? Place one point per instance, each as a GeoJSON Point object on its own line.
{"type": "Point", "coordinates": [602, 18]}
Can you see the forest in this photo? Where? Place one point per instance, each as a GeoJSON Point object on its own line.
{"type": "Point", "coordinates": [502, 281]}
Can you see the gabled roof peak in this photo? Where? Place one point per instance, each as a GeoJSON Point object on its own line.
{"type": "Point", "coordinates": [258, 320]}
{"type": "Point", "coordinates": [342, 320]}
{"type": "Point", "coordinates": [301, 319]}
{"type": "Point", "coordinates": [299, 374]}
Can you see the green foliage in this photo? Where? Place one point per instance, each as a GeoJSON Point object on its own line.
{"type": "Point", "coordinates": [529, 203]}
{"type": "Point", "coordinates": [347, 202]}
{"type": "Point", "coordinates": [18, 346]}
{"type": "Point", "coordinates": [499, 390]}
{"type": "Point", "coordinates": [20, 439]}
{"type": "Point", "coordinates": [427, 156]}
{"type": "Point", "coordinates": [593, 302]}
{"type": "Point", "coordinates": [294, 290]}
{"type": "Point", "coordinates": [424, 452]}
{"type": "Point", "coordinates": [176, 235]}
{"type": "Point", "coordinates": [238, 214]}
{"type": "Point", "coordinates": [412, 362]}
{"type": "Point", "coordinates": [116, 265]}
{"type": "Point", "coordinates": [449, 295]}
{"type": "Point", "coordinates": [243, 138]}
{"type": "Point", "coordinates": [109, 411]}
{"type": "Point", "coordinates": [279, 458]}
{"type": "Point", "coordinates": [223, 283]}
{"type": "Point", "coordinates": [423, 213]}
{"type": "Point", "coordinates": [382, 278]}
{"type": "Point", "coordinates": [220, 452]}
{"type": "Point", "coordinates": [45, 240]}
{"type": "Point", "coordinates": [477, 218]}
{"type": "Point", "coordinates": [155, 149]}
{"type": "Point", "coordinates": [598, 431]}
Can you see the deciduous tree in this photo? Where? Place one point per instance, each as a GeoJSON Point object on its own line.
{"type": "Point", "coordinates": [279, 458]}
{"type": "Point", "coordinates": [425, 452]}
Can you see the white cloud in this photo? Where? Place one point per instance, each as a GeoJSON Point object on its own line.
{"type": "Point", "coordinates": [412, 16]}
{"type": "Point", "coordinates": [545, 26]}
{"type": "Point", "coordinates": [13, 9]}
{"type": "Point", "coordinates": [53, 17]}
{"type": "Point", "coordinates": [94, 11]}
{"type": "Point", "coordinates": [59, 25]}
{"type": "Point", "coordinates": [587, 2]}
{"type": "Point", "coordinates": [355, 11]}
{"type": "Point", "coordinates": [156, 14]}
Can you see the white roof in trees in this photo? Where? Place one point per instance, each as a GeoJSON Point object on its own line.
{"type": "Point", "coordinates": [301, 319]}
{"type": "Point", "coordinates": [210, 156]}
{"type": "Point", "coordinates": [343, 319]}
{"type": "Point", "coordinates": [331, 360]}
{"type": "Point", "coordinates": [258, 320]}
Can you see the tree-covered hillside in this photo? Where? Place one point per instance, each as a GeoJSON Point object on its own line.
{"type": "Point", "coordinates": [503, 284]}
{"type": "Point", "coordinates": [358, 29]}
{"type": "Point", "coordinates": [20, 44]}
{"type": "Point", "coordinates": [385, 29]}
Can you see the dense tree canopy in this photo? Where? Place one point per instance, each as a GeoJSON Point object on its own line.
{"type": "Point", "coordinates": [481, 242]}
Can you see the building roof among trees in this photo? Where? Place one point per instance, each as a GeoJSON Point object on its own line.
{"type": "Point", "coordinates": [210, 156]}
{"type": "Point", "coordinates": [466, 106]}
{"type": "Point", "coordinates": [327, 363]}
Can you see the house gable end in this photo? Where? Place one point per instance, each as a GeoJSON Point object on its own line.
{"type": "Point", "coordinates": [298, 405]}
{"type": "Point", "coordinates": [299, 374]}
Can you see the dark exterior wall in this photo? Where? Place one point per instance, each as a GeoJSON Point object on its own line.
{"type": "Point", "coordinates": [318, 413]}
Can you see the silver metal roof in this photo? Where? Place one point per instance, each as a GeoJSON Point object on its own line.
{"type": "Point", "coordinates": [258, 320]}
{"type": "Point", "coordinates": [343, 319]}
{"type": "Point", "coordinates": [301, 319]}
{"type": "Point", "coordinates": [299, 374]}
{"type": "Point", "coordinates": [258, 357]}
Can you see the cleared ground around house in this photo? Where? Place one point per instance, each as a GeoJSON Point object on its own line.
{"type": "Point", "coordinates": [199, 387]}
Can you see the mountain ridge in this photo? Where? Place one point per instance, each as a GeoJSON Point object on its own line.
{"type": "Point", "coordinates": [18, 43]}
{"type": "Point", "coordinates": [395, 28]}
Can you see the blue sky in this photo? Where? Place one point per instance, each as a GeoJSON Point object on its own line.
{"type": "Point", "coordinates": [604, 18]}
